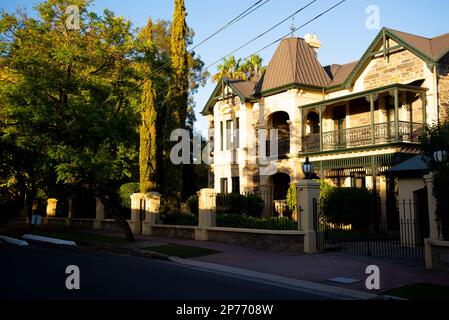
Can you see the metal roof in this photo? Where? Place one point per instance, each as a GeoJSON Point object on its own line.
{"type": "Point", "coordinates": [294, 62]}
{"type": "Point", "coordinates": [416, 165]}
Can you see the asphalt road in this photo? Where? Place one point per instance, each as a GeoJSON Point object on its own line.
{"type": "Point", "coordinates": [38, 272]}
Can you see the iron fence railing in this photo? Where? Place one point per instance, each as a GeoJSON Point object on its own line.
{"type": "Point", "coordinates": [261, 212]}
{"type": "Point", "coordinates": [372, 236]}
{"type": "Point", "coordinates": [363, 136]}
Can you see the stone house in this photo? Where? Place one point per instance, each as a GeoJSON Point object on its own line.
{"type": "Point", "coordinates": [353, 121]}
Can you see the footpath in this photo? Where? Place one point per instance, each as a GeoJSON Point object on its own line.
{"type": "Point", "coordinates": [317, 268]}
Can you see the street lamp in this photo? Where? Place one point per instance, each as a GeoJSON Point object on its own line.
{"type": "Point", "coordinates": [440, 156]}
{"type": "Point", "coordinates": [307, 169]}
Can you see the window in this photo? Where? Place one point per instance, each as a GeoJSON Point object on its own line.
{"type": "Point", "coordinates": [235, 184]}
{"type": "Point", "coordinates": [224, 185]}
{"type": "Point", "coordinates": [358, 179]}
{"type": "Point", "coordinates": [228, 134]}
{"type": "Point", "coordinates": [221, 136]}
{"type": "Point", "coordinates": [237, 134]}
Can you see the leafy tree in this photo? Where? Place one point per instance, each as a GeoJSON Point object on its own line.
{"type": "Point", "coordinates": [73, 96]}
{"type": "Point", "coordinates": [436, 137]}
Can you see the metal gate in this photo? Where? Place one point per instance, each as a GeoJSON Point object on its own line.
{"type": "Point", "coordinates": [371, 236]}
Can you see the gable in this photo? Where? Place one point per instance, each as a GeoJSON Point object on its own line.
{"type": "Point", "coordinates": [385, 45]}
{"type": "Point", "coordinates": [228, 88]}
{"type": "Point", "coordinates": [399, 67]}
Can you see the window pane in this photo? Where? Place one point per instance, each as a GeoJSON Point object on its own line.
{"type": "Point", "coordinates": [228, 134]}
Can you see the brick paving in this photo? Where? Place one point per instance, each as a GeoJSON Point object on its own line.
{"type": "Point", "coordinates": [314, 267]}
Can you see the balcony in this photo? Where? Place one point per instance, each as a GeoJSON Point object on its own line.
{"type": "Point", "coordinates": [363, 136]}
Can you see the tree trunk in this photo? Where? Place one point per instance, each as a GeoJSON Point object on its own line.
{"type": "Point", "coordinates": [112, 209]}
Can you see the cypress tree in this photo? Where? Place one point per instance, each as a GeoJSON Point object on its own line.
{"type": "Point", "coordinates": [177, 102]}
{"type": "Point", "coordinates": [147, 152]}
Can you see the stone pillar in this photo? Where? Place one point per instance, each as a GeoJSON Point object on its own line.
{"type": "Point", "coordinates": [99, 213]}
{"type": "Point", "coordinates": [432, 202]}
{"type": "Point", "coordinates": [137, 206]}
{"type": "Point", "coordinates": [206, 212]}
{"type": "Point", "coordinates": [307, 191]}
{"type": "Point", "coordinates": [295, 136]}
{"type": "Point", "coordinates": [152, 205]}
{"type": "Point", "coordinates": [51, 207]}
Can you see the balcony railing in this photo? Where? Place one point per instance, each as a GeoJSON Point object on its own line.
{"type": "Point", "coordinates": [362, 136]}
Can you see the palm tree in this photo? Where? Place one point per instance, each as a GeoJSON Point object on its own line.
{"type": "Point", "coordinates": [235, 69]}
{"type": "Point", "coordinates": [252, 67]}
{"type": "Point", "coordinates": [229, 68]}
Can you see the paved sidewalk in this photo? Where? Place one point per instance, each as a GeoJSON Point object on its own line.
{"type": "Point", "coordinates": [317, 268]}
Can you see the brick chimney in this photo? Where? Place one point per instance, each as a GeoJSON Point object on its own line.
{"type": "Point", "coordinates": [313, 41]}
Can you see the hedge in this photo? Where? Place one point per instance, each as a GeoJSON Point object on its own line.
{"type": "Point", "coordinates": [244, 221]}
{"type": "Point", "coordinates": [236, 203]}
{"type": "Point", "coordinates": [356, 206]}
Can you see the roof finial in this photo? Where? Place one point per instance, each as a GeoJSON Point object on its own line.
{"type": "Point", "coordinates": [293, 26]}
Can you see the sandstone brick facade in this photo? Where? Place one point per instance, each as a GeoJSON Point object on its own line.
{"type": "Point", "coordinates": [443, 87]}
{"type": "Point", "coordinates": [400, 67]}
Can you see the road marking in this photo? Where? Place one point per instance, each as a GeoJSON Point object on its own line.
{"type": "Point", "coordinates": [48, 240]}
{"type": "Point", "coordinates": [13, 241]}
{"type": "Point", "coordinates": [344, 280]}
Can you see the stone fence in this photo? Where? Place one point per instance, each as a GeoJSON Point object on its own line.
{"type": "Point", "coordinates": [145, 220]}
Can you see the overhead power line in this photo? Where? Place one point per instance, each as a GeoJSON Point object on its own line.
{"type": "Point", "coordinates": [286, 35]}
{"type": "Point", "coordinates": [239, 17]}
{"type": "Point", "coordinates": [242, 15]}
{"type": "Point", "coordinates": [265, 32]}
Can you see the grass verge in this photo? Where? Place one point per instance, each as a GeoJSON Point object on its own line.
{"type": "Point", "coordinates": [81, 236]}
{"type": "Point", "coordinates": [421, 291]}
{"type": "Point", "coordinates": [182, 251]}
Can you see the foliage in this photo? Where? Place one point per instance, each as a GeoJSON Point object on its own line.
{"type": "Point", "coordinates": [435, 138]}
{"type": "Point", "coordinates": [192, 205]}
{"type": "Point", "coordinates": [356, 206]}
{"type": "Point", "coordinates": [244, 221]}
{"type": "Point", "coordinates": [126, 190]}
{"type": "Point", "coordinates": [236, 69]}
{"type": "Point", "coordinates": [254, 205]}
{"type": "Point", "coordinates": [237, 203]}
{"type": "Point", "coordinates": [147, 150]}
{"type": "Point", "coordinates": [71, 99]}
{"type": "Point", "coordinates": [292, 199]}
{"type": "Point", "coordinates": [180, 219]}
{"type": "Point", "coordinates": [177, 101]}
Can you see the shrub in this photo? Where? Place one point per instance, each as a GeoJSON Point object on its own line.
{"type": "Point", "coordinates": [292, 200]}
{"type": "Point", "coordinates": [255, 205]}
{"type": "Point", "coordinates": [356, 206]}
{"type": "Point", "coordinates": [244, 221]}
{"type": "Point", "coordinates": [237, 203]}
{"type": "Point", "coordinates": [192, 205]}
{"type": "Point", "coordinates": [125, 191]}
{"type": "Point", "coordinates": [180, 219]}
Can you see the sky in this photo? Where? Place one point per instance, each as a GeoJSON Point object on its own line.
{"type": "Point", "coordinates": [343, 31]}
